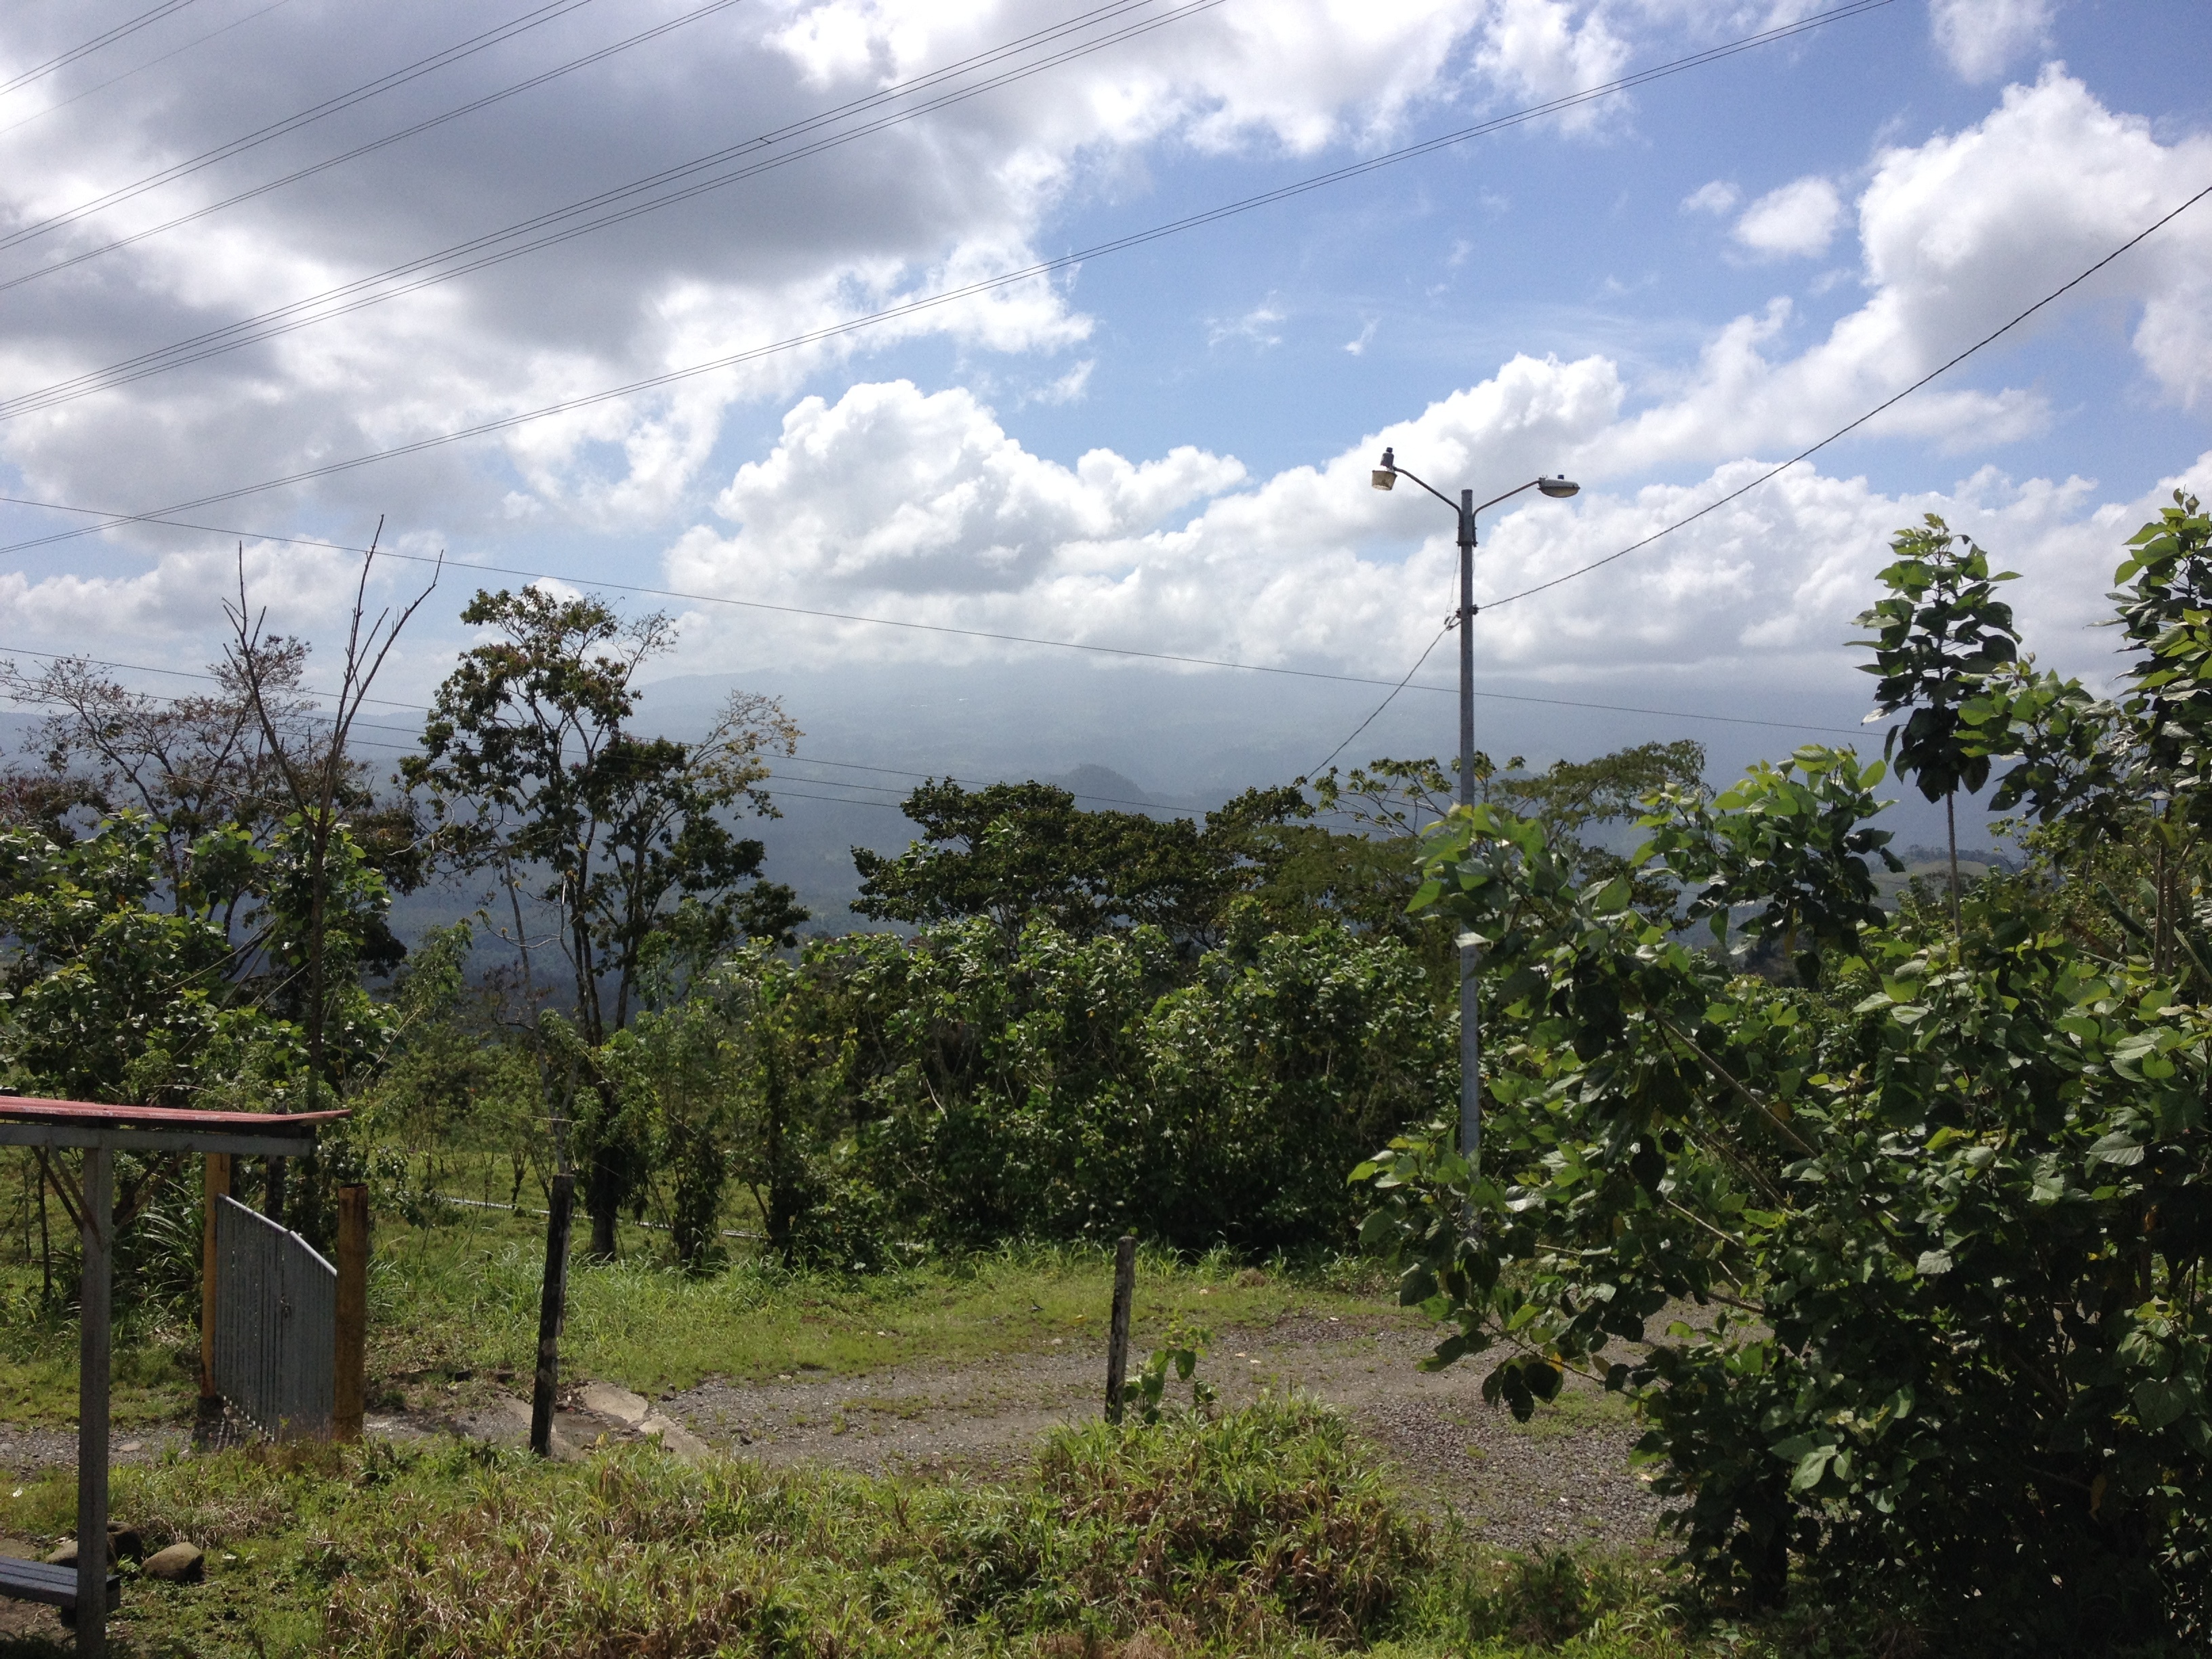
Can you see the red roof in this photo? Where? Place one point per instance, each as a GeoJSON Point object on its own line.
{"type": "Point", "coordinates": [25, 1109]}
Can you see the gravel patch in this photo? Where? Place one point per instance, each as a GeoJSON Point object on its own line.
{"type": "Point", "coordinates": [1562, 1480]}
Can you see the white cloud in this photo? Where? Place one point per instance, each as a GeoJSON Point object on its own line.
{"type": "Point", "coordinates": [1717, 197]}
{"type": "Point", "coordinates": [959, 195]}
{"type": "Point", "coordinates": [1956, 235]}
{"type": "Point", "coordinates": [1357, 346]}
{"type": "Point", "coordinates": [1798, 221]}
{"type": "Point", "coordinates": [1538, 49]}
{"type": "Point", "coordinates": [892, 501]}
{"type": "Point", "coordinates": [1256, 327]}
{"type": "Point", "coordinates": [1069, 388]}
{"type": "Point", "coordinates": [1981, 38]}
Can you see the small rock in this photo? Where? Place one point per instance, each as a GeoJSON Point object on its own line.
{"type": "Point", "coordinates": [125, 1542]}
{"type": "Point", "coordinates": [180, 1564]}
{"type": "Point", "coordinates": [66, 1555]}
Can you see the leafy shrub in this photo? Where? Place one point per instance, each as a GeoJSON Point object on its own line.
{"type": "Point", "coordinates": [1946, 1205]}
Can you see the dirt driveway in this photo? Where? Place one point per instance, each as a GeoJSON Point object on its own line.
{"type": "Point", "coordinates": [1562, 1479]}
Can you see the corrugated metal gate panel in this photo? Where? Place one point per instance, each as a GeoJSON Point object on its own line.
{"type": "Point", "coordinates": [276, 1324]}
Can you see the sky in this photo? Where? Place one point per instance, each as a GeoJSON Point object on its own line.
{"type": "Point", "coordinates": [242, 241]}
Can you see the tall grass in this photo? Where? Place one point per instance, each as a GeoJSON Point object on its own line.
{"type": "Point", "coordinates": [1264, 1531]}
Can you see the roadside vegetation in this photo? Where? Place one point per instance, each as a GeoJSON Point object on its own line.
{"type": "Point", "coordinates": [1883, 1206]}
{"type": "Point", "coordinates": [1261, 1531]}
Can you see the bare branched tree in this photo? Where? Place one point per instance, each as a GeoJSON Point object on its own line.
{"type": "Point", "coordinates": [309, 755]}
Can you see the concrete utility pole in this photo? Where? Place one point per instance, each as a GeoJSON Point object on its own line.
{"type": "Point", "coordinates": [1470, 955]}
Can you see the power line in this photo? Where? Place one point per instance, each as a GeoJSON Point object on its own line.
{"type": "Point", "coordinates": [292, 123]}
{"type": "Point", "coordinates": [851, 106]}
{"type": "Point", "coordinates": [130, 26]}
{"type": "Point", "coordinates": [103, 86]}
{"type": "Point", "coordinates": [1391, 698]}
{"type": "Point", "coordinates": [414, 274]}
{"type": "Point", "coordinates": [1853, 426]}
{"type": "Point", "coordinates": [1180, 659]}
{"type": "Point", "coordinates": [1776, 471]}
{"type": "Point", "coordinates": [416, 747]}
{"type": "Point", "coordinates": [1027, 273]}
{"type": "Point", "coordinates": [359, 150]}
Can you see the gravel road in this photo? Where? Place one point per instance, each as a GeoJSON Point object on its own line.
{"type": "Point", "coordinates": [1561, 1479]}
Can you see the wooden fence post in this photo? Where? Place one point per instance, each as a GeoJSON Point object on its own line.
{"type": "Point", "coordinates": [217, 1185]}
{"type": "Point", "coordinates": [349, 1374]}
{"type": "Point", "coordinates": [551, 1302]}
{"type": "Point", "coordinates": [1117, 1336]}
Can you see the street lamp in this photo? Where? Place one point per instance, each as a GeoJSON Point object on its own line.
{"type": "Point", "coordinates": [1470, 1033]}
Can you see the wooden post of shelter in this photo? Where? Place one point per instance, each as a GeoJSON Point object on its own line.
{"type": "Point", "coordinates": [1117, 1336]}
{"type": "Point", "coordinates": [349, 1373]}
{"type": "Point", "coordinates": [101, 1132]}
{"type": "Point", "coordinates": [217, 1185]}
{"type": "Point", "coordinates": [97, 1216]}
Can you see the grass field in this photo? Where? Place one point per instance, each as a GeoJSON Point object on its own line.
{"type": "Point", "coordinates": [1264, 1532]}
{"type": "Point", "coordinates": [453, 1309]}
{"type": "Point", "coordinates": [1271, 1530]}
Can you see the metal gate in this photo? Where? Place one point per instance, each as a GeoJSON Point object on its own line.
{"type": "Point", "coordinates": [276, 1325]}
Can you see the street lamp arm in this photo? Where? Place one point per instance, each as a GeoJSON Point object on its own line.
{"type": "Point", "coordinates": [1430, 487]}
{"type": "Point", "coordinates": [1510, 494]}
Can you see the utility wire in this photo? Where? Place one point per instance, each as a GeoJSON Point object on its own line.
{"type": "Point", "coordinates": [1774, 472]}
{"type": "Point", "coordinates": [1180, 659]}
{"type": "Point", "coordinates": [359, 150]}
{"type": "Point", "coordinates": [292, 123]}
{"type": "Point", "coordinates": [1853, 426]}
{"type": "Point", "coordinates": [416, 747]}
{"type": "Point", "coordinates": [420, 273]}
{"type": "Point", "coordinates": [1024, 274]}
{"type": "Point", "coordinates": [1385, 703]}
{"type": "Point", "coordinates": [103, 86]}
{"type": "Point", "coordinates": [130, 26]}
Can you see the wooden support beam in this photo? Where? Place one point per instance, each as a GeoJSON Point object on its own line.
{"type": "Point", "coordinates": [98, 1213]}
{"type": "Point", "coordinates": [217, 1186]}
{"type": "Point", "coordinates": [349, 1373]}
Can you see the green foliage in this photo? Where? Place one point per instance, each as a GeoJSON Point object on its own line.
{"type": "Point", "coordinates": [683, 1072]}
{"type": "Point", "coordinates": [1058, 1087]}
{"type": "Point", "coordinates": [1017, 852]}
{"type": "Point", "coordinates": [1180, 1355]}
{"type": "Point", "coordinates": [533, 770]}
{"type": "Point", "coordinates": [2164, 608]}
{"type": "Point", "coordinates": [118, 991]}
{"type": "Point", "coordinates": [1941, 1208]}
{"type": "Point", "coordinates": [1792, 839]}
{"type": "Point", "coordinates": [1941, 630]}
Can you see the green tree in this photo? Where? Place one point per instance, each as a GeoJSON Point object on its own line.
{"type": "Point", "coordinates": [1940, 634]}
{"type": "Point", "coordinates": [533, 771]}
{"type": "Point", "coordinates": [1015, 852]}
{"type": "Point", "coordinates": [1944, 1206]}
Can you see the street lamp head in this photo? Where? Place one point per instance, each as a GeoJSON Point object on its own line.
{"type": "Point", "coordinates": [1385, 475]}
{"type": "Point", "coordinates": [1559, 488]}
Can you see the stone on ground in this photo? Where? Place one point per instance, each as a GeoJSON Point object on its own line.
{"type": "Point", "coordinates": [180, 1564]}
